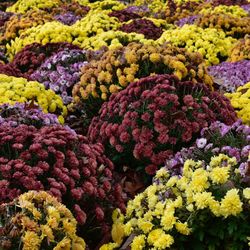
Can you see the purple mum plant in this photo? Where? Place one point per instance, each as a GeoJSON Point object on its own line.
{"type": "Point", "coordinates": [231, 75]}
{"type": "Point", "coordinates": [219, 138]}
{"type": "Point", "coordinates": [61, 71]}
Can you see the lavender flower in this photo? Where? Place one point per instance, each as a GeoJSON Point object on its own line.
{"type": "Point", "coordinates": [218, 138]}
{"type": "Point", "coordinates": [61, 71]}
{"type": "Point", "coordinates": [67, 18]}
{"type": "Point", "coordinates": [230, 75]}
{"type": "Point", "coordinates": [246, 7]}
{"type": "Point", "coordinates": [187, 20]}
{"type": "Point", "coordinates": [21, 113]}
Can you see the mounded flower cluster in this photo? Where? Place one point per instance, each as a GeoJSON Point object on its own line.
{"type": "Point", "coordinates": [212, 44]}
{"type": "Point", "coordinates": [107, 5]}
{"type": "Point", "coordinates": [125, 14]}
{"type": "Point", "coordinates": [13, 90]}
{"type": "Point", "coordinates": [61, 72]}
{"type": "Point", "coordinates": [50, 32]}
{"type": "Point", "coordinates": [229, 2]}
{"type": "Point", "coordinates": [57, 160]}
{"type": "Point", "coordinates": [31, 57]}
{"type": "Point", "coordinates": [240, 100]}
{"type": "Point", "coordinates": [230, 75]}
{"type": "Point", "coordinates": [22, 6]}
{"type": "Point", "coordinates": [20, 113]}
{"type": "Point", "coordinates": [113, 40]}
{"type": "Point", "coordinates": [151, 119]}
{"type": "Point", "coordinates": [178, 11]}
{"type": "Point", "coordinates": [19, 23]}
{"type": "Point", "coordinates": [117, 68]}
{"type": "Point", "coordinates": [233, 11]}
{"type": "Point", "coordinates": [241, 50]}
{"type": "Point", "coordinates": [190, 211]}
{"type": "Point", "coordinates": [7, 69]}
{"type": "Point", "coordinates": [96, 22]}
{"type": "Point", "coordinates": [143, 26]}
{"type": "Point", "coordinates": [218, 138]}
{"type": "Point", "coordinates": [232, 26]}
{"type": "Point", "coordinates": [37, 220]}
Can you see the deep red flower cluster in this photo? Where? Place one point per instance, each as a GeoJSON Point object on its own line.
{"type": "Point", "coordinates": [229, 2]}
{"type": "Point", "coordinates": [7, 69]}
{"type": "Point", "coordinates": [124, 15]}
{"type": "Point", "coordinates": [147, 122]}
{"type": "Point", "coordinates": [65, 164]}
{"type": "Point", "coordinates": [143, 26]}
{"type": "Point", "coordinates": [31, 57]}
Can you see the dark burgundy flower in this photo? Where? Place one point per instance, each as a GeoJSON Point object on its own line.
{"type": "Point", "coordinates": [147, 128]}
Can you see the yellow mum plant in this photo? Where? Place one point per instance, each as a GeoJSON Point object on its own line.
{"type": "Point", "coordinates": [49, 32]}
{"type": "Point", "coordinates": [96, 22]}
{"type": "Point", "coordinates": [211, 43]}
{"type": "Point", "coordinates": [108, 5]}
{"type": "Point", "coordinates": [119, 67]}
{"type": "Point", "coordinates": [38, 221]}
{"type": "Point", "coordinates": [240, 100]}
{"type": "Point", "coordinates": [22, 6]}
{"type": "Point", "coordinates": [205, 208]}
{"type": "Point", "coordinates": [112, 39]}
{"type": "Point", "coordinates": [13, 90]}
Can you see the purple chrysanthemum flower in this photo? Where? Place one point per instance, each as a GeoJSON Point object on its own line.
{"type": "Point", "coordinates": [61, 71]}
{"type": "Point", "coordinates": [230, 75]}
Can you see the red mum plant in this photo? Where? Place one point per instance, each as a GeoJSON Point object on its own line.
{"type": "Point", "coordinates": [31, 57]}
{"type": "Point", "coordinates": [124, 15]}
{"type": "Point", "coordinates": [147, 122]}
{"type": "Point", "coordinates": [65, 164]}
{"type": "Point", "coordinates": [143, 26]}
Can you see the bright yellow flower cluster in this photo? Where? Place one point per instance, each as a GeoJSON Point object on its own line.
{"type": "Point", "coordinates": [43, 217]}
{"type": "Point", "coordinates": [108, 5]}
{"type": "Point", "coordinates": [211, 43]}
{"type": "Point", "coordinates": [22, 6]}
{"type": "Point", "coordinates": [96, 22]}
{"type": "Point", "coordinates": [154, 219]}
{"type": "Point", "coordinates": [13, 89]}
{"type": "Point", "coordinates": [240, 100]}
{"type": "Point", "coordinates": [234, 10]}
{"type": "Point", "coordinates": [119, 67]}
{"type": "Point", "coordinates": [112, 39]}
{"type": "Point", "coordinates": [241, 50]}
{"type": "Point", "coordinates": [48, 32]}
